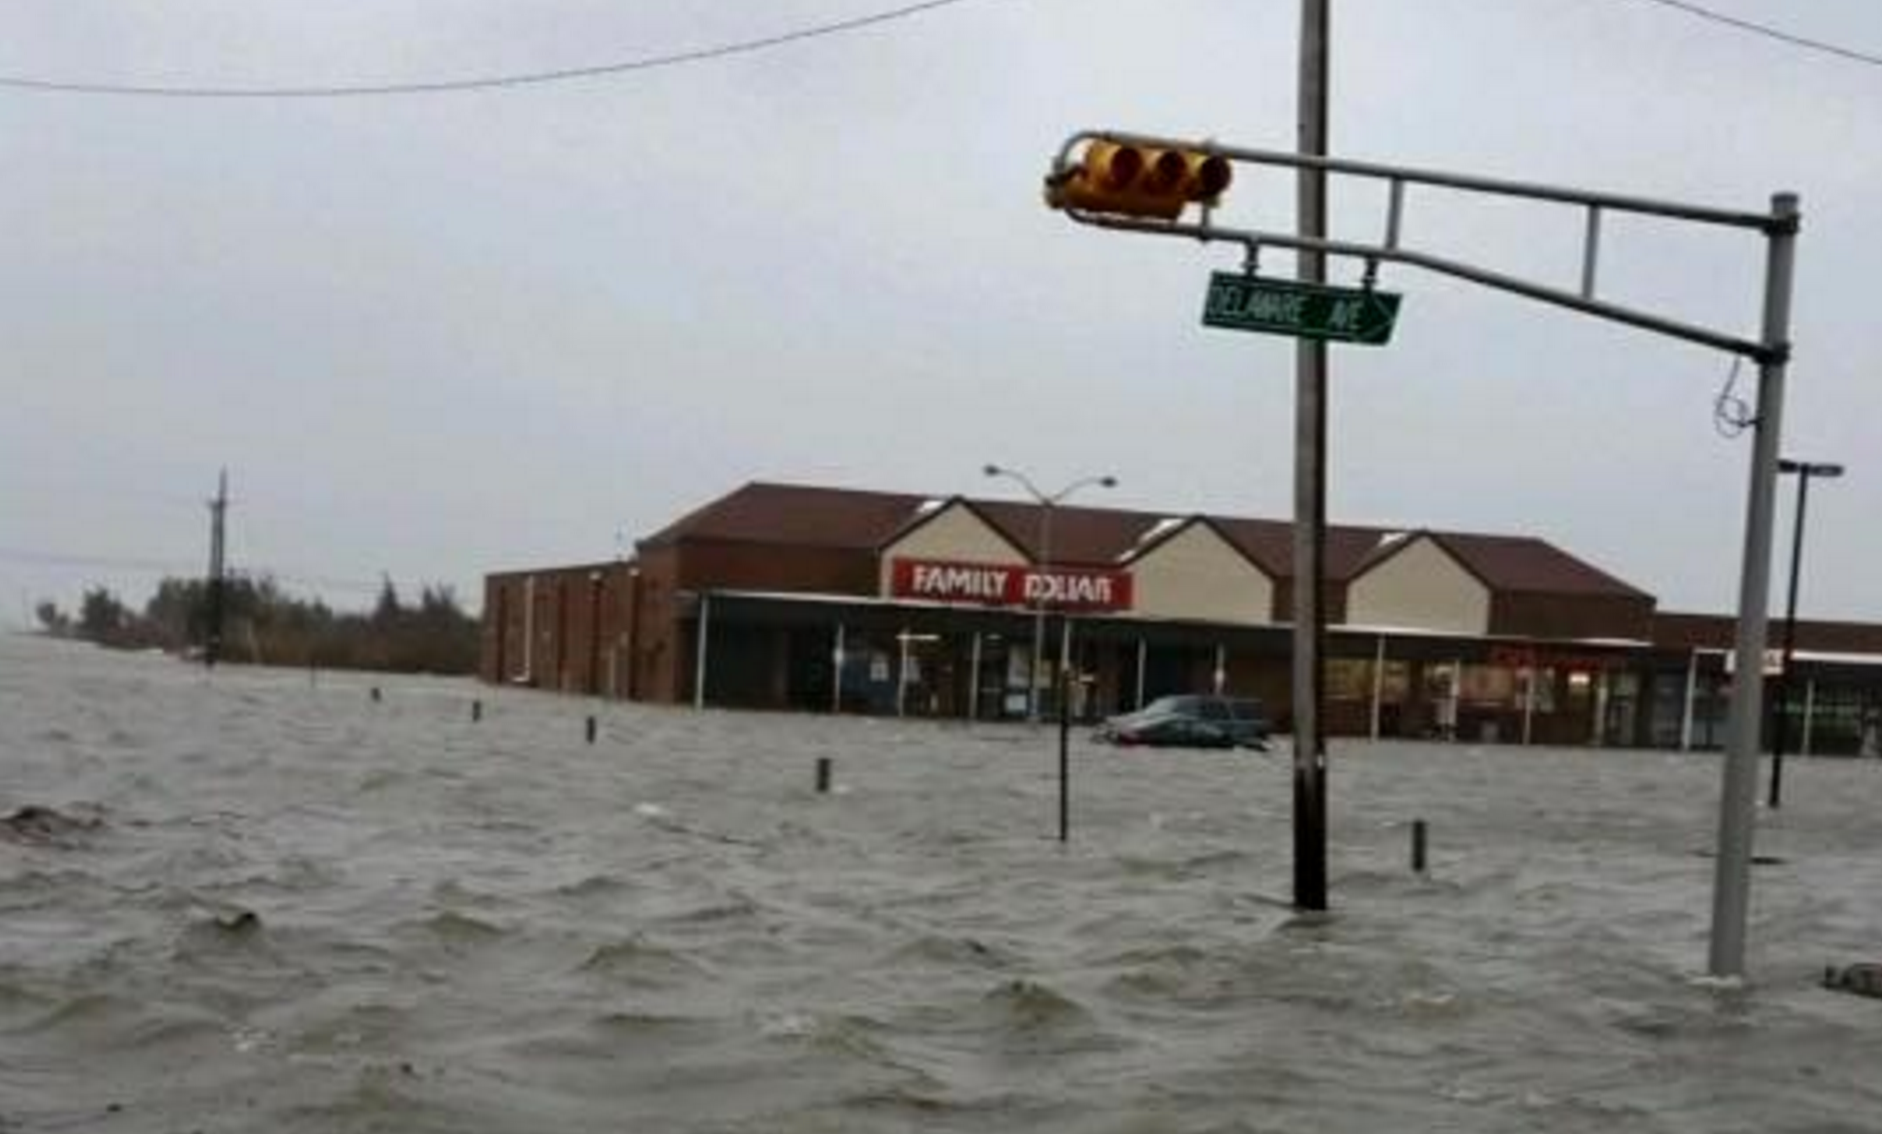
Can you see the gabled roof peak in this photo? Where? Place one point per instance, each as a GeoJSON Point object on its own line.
{"type": "Point", "coordinates": [865, 520]}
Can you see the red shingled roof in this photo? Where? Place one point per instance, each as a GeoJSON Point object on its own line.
{"type": "Point", "coordinates": [1527, 564]}
{"type": "Point", "coordinates": [796, 514]}
{"type": "Point", "coordinates": [1510, 564]}
{"type": "Point", "coordinates": [1270, 543]}
{"type": "Point", "coordinates": [862, 520]}
{"type": "Point", "coordinates": [1079, 535]}
{"type": "Point", "coordinates": [1679, 631]}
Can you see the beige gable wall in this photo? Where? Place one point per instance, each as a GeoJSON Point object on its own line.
{"type": "Point", "coordinates": [1196, 574]}
{"type": "Point", "coordinates": [1420, 587]}
{"type": "Point", "coordinates": [956, 534]}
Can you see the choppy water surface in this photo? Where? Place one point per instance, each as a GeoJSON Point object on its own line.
{"type": "Point", "coordinates": [268, 903]}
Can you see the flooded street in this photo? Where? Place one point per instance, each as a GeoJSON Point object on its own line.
{"type": "Point", "coordinates": [267, 902]}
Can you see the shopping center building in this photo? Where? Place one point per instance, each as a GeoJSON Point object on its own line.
{"type": "Point", "coordinates": [836, 600]}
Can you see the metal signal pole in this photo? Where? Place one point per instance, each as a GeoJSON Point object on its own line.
{"type": "Point", "coordinates": [212, 629]}
{"type": "Point", "coordinates": [1310, 466]}
{"type": "Point", "coordinates": [1738, 802]}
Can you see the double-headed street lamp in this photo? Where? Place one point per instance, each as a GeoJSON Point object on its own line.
{"type": "Point", "coordinates": [1803, 471]}
{"type": "Point", "coordinates": [1046, 501]}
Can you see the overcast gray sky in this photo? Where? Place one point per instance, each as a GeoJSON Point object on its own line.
{"type": "Point", "coordinates": [442, 334]}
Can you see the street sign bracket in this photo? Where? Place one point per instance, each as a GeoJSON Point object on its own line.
{"type": "Point", "coordinates": [1251, 264]}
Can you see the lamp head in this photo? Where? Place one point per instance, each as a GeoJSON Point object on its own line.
{"type": "Point", "coordinates": [1825, 469]}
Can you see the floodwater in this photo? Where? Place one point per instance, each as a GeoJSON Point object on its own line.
{"type": "Point", "coordinates": [263, 901]}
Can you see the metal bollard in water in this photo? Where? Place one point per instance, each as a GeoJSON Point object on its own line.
{"type": "Point", "coordinates": [376, 696]}
{"type": "Point", "coordinates": [823, 775]}
{"type": "Point", "coordinates": [1065, 760]}
{"type": "Point", "coordinates": [477, 710]}
{"type": "Point", "coordinates": [591, 730]}
{"type": "Point", "coordinates": [1418, 846]}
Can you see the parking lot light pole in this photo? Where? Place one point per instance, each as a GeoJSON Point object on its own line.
{"type": "Point", "coordinates": [1803, 471]}
{"type": "Point", "coordinates": [1047, 501]}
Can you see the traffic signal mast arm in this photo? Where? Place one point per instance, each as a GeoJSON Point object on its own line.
{"type": "Point", "coordinates": [1108, 186]}
{"type": "Point", "coordinates": [1094, 191]}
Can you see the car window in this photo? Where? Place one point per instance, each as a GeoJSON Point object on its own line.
{"type": "Point", "coordinates": [1245, 709]}
{"type": "Point", "coordinates": [1214, 711]}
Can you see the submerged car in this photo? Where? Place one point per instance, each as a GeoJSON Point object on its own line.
{"type": "Point", "coordinates": [1170, 730]}
{"type": "Point", "coordinates": [1239, 721]}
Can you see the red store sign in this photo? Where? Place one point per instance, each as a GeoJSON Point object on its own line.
{"type": "Point", "coordinates": [1524, 657]}
{"type": "Point", "coordinates": [992, 584]}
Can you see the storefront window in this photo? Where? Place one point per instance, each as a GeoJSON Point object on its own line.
{"type": "Point", "coordinates": [1352, 679]}
{"type": "Point", "coordinates": [1489, 686]}
{"type": "Point", "coordinates": [1348, 679]}
{"type": "Point", "coordinates": [1544, 680]}
{"type": "Point", "coordinates": [1015, 698]}
{"type": "Point", "coordinates": [1667, 713]}
{"type": "Point", "coordinates": [920, 681]}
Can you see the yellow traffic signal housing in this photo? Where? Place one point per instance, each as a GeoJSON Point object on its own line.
{"type": "Point", "coordinates": [1139, 182]}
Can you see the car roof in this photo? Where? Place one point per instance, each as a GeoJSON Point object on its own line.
{"type": "Point", "coordinates": [1203, 697]}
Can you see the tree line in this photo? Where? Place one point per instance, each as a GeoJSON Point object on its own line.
{"type": "Point", "coordinates": [263, 625]}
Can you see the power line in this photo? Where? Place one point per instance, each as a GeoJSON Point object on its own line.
{"type": "Point", "coordinates": [179, 569]}
{"type": "Point", "coordinates": [485, 82]}
{"type": "Point", "coordinates": [1770, 32]}
{"type": "Point", "coordinates": [100, 562]}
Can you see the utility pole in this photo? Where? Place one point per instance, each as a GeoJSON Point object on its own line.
{"type": "Point", "coordinates": [212, 629]}
{"type": "Point", "coordinates": [1310, 466]}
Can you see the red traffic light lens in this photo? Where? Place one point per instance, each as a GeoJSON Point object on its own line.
{"type": "Point", "coordinates": [1167, 172]}
{"type": "Point", "coordinates": [1115, 167]}
{"type": "Point", "coordinates": [1213, 174]}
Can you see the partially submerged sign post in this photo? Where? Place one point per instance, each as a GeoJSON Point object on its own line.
{"type": "Point", "coordinates": [1305, 311]}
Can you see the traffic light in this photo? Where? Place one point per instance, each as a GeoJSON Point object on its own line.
{"type": "Point", "coordinates": [1137, 181]}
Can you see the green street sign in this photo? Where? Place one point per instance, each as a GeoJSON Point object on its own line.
{"type": "Point", "coordinates": [1304, 311]}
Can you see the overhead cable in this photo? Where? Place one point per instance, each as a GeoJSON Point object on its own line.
{"type": "Point", "coordinates": [1767, 31]}
{"type": "Point", "coordinates": [478, 82]}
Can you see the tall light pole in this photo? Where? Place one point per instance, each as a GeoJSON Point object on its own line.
{"type": "Point", "coordinates": [1046, 501]}
{"type": "Point", "coordinates": [1803, 471]}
